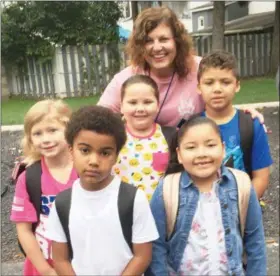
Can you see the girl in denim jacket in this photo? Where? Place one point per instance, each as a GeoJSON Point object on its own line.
{"type": "Point", "coordinates": [206, 239]}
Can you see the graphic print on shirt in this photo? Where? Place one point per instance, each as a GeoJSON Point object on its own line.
{"type": "Point", "coordinates": [186, 108]}
{"type": "Point", "coordinates": [233, 149]}
{"type": "Point", "coordinates": [142, 161]}
{"type": "Point", "coordinates": [46, 204]}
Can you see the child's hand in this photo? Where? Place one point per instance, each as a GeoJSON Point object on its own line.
{"type": "Point", "coordinates": [254, 114]}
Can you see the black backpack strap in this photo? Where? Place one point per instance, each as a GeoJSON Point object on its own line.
{"type": "Point", "coordinates": [184, 120]}
{"type": "Point", "coordinates": [168, 133]}
{"type": "Point", "coordinates": [62, 204]}
{"type": "Point", "coordinates": [126, 198]}
{"type": "Point", "coordinates": [246, 130]}
{"type": "Point", "coordinates": [33, 186]}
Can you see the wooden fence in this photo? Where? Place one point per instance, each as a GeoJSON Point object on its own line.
{"type": "Point", "coordinates": [81, 71]}
{"type": "Point", "coordinates": [73, 71]}
{"type": "Point", "coordinates": [252, 51]}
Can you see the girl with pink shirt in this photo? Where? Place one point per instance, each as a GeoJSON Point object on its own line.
{"type": "Point", "coordinates": [161, 48]}
{"type": "Point", "coordinates": [43, 142]}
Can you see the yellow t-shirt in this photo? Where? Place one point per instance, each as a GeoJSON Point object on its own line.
{"type": "Point", "coordinates": [143, 160]}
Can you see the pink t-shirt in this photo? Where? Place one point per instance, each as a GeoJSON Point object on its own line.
{"type": "Point", "coordinates": [182, 100]}
{"type": "Point", "coordinates": [24, 211]}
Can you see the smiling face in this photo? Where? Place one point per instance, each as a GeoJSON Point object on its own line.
{"type": "Point", "coordinates": [47, 137]}
{"type": "Point", "coordinates": [139, 107]}
{"type": "Point", "coordinates": [94, 155]}
{"type": "Point", "coordinates": [217, 88]}
{"type": "Point", "coordinates": [201, 152]}
{"type": "Point", "coordinates": [160, 50]}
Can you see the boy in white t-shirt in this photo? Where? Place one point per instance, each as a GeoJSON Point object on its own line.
{"type": "Point", "coordinates": [99, 245]}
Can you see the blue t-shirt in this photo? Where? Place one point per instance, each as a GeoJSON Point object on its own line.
{"type": "Point", "coordinates": [260, 158]}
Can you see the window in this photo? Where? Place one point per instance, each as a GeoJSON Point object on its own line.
{"type": "Point", "coordinates": [201, 22]}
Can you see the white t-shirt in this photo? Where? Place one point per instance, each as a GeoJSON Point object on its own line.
{"type": "Point", "coordinates": [99, 247]}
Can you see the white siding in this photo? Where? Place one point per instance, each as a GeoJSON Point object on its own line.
{"type": "Point", "coordinates": [259, 7]}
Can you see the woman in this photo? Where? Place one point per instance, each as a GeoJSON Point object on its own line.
{"type": "Point", "coordinates": [161, 48]}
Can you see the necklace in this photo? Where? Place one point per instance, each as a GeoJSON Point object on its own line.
{"type": "Point", "coordinates": [167, 91]}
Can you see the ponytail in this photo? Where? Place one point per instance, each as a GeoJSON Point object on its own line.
{"type": "Point", "coordinates": [173, 165]}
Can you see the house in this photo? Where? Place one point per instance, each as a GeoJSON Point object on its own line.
{"type": "Point", "coordinates": [181, 8]}
{"type": "Point", "coordinates": [202, 16]}
{"type": "Point", "coordinates": [249, 23]}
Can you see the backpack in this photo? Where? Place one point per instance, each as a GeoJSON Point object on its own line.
{"type": "Point", "coordinates": [33, 187]}
{"type": "Point", "coordinates": [171, 186]}
{"type": "Point", "coordinates": [168, 133]}
{"type": "Point", "coordinates": [246, 130]}
{"type": "Point", "coordinates": [126, 198]}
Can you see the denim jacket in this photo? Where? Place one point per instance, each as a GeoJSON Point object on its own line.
{"type": "Point", "coordinates": [168, 254]}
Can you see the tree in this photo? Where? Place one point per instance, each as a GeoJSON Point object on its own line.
{"type": "Point", "coordinates": [218, 25]}
{"type": "Point", "coordinates": [34, 28]}
{"type": "Point", "coordinates": [134, 9]}
{"type": "Point", "coordinates": [275, 41]}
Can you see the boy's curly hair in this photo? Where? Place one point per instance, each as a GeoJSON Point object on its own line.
{"type": "Point", "coordinates": [98, 119]}
{"type": "Point", "coordinates": [218, 59]}
{"type": "Point", "coordinates": [147, 21]}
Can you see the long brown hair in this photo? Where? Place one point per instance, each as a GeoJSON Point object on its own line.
{"type": "Point", "coordinates": [147, 21]}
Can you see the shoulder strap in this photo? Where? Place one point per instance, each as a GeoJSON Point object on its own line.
{"type": "Point", "coordinates": [243, 183]}
{"type": "Point", "coordinates": [171, 185]}
{"type": "Point", "coordinates": [168, 133]}
{"type": "Point", "coordinates": [33, 186]}
{"type": "Point", "coordinates": [126, 199]}
{"type": "Point", "coordinates": [62, 204]}
{"type": "Point", "coordinates": [246, 129]}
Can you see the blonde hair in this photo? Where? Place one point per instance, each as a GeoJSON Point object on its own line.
{"type": "Point", "coordinates": [52, 109]}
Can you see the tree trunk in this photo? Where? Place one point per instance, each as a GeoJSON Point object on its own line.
{"type": "Point", "coordinates": [275, 40]}
{"type": "Point", "coordinates": [160, 3]}
{"type": "Point", "coordinates": [218, 25]}
{"type": "Point", "coordinates": [134, 9]}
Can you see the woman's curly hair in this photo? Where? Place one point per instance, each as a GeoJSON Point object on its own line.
{"type": "Point", "coordinates": [147, 21]}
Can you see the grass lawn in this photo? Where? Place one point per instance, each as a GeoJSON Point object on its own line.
{"type": "Point", "coordinates": [252, 91]}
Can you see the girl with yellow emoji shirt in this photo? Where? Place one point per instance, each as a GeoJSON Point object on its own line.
{"type": "Point", "coordinates": [144, 157]}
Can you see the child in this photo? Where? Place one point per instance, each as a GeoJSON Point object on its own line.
{"type": "Point", "coordinates": [144, 158]}
{"type": "Point", "coordinates": [44, 144]}
{"type": "Point", "coordinates": [98, 242]}
{"type": "Point", "coordinates": [206, 239]}
{"type": "Point", "coordinates": [246, 142]}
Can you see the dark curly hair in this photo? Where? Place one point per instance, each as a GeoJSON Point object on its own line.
{"type": "Point", "coordinates": [218, 59]}
{"type": "Point", "coordinates": [147, 21]}
{"type": "Point", "coordinates": [174, 166]}
{"type": "Point", "coordinates": [98, 119]}
{"type": "Point", "coordinates": [140, 79]}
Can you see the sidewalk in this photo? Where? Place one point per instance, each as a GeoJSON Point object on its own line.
{"type": "Point", "coordinates": [272, 261]}
{"type": "Point", "coordinates": [254, 105]}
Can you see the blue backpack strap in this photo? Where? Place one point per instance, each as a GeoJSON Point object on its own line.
{"type": "Point", "coordinates": [126, 197]}
{"type": "Point", "coordinates": [62, 204]}
{"type": "Point", "coordinates": [246, 130]}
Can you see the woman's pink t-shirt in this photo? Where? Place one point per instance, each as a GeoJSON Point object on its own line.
{"type": "Point", "coordinates": [182, 100]}
{"type": "Point", "coordinates": [24, 211]}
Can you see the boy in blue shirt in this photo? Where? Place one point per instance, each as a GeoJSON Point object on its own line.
{"type": "Point", "coordinates": [218, 82]}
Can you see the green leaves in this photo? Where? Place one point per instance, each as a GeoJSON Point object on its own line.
{"type": "Point", "coordinates": [34, 28]}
